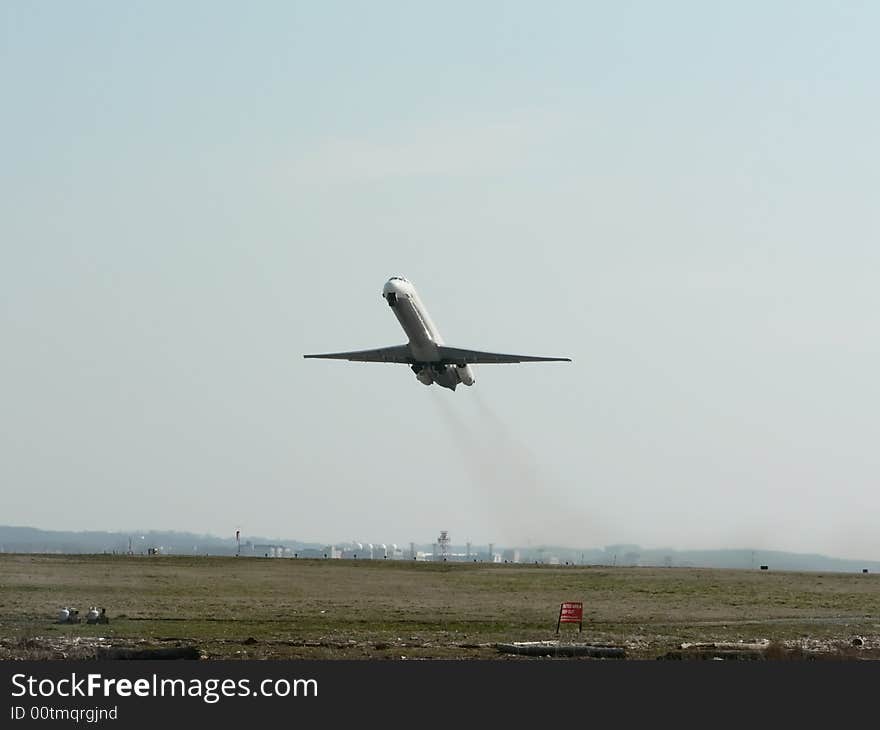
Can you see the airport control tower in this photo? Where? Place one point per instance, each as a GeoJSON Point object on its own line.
{"type": "Point", "coordinates": [443, 545]}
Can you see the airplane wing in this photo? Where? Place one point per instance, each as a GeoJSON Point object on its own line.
{"type": "Point", "coordinates": [458, 356]}
{"type": "Point", "coordinates": [398, 353]}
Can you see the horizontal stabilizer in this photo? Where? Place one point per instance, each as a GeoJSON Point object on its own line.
{"type": "Point", "coordinates": [459, 356]}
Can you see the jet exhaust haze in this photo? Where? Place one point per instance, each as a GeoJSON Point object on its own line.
{"type": "Point", "coordinates": [522, 501]}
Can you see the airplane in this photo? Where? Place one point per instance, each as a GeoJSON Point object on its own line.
{"type": "Point", "coordinates": [430, 359]}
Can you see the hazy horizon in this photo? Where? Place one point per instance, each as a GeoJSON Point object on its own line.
{"type": "Point", "coordinates": [681, 197]}
{"type": "Point", "coordinates": [248, 538]}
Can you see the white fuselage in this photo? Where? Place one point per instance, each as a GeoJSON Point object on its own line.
{"type": "Point", "coordinates": [423, 336]}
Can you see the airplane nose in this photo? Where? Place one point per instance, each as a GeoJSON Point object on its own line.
{"type": "Point", "coordinates": [394, 288]}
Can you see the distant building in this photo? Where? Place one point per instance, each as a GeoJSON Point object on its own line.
{"type": "Point", "coordinates": [270, 551]}
{"type": "Point", "coordinates": [511, 555]}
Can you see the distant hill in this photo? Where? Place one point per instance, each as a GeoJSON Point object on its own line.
{"type": "Point", "coordinates": [740, 558]}
{"type": "Point", "coordinates": [33, 540]}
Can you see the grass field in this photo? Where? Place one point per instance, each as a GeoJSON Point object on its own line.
{"type": "Point", "coordinates": [348, 609]}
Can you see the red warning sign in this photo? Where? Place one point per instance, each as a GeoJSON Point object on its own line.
{"type": "Point", "coordinates": [571, 612]}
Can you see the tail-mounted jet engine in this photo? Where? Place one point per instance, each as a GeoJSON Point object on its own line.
{"type": "Point", "coordinates": [423, 374]}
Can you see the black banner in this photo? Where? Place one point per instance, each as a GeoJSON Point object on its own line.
{"type": "Point", "coordinates": [136, 694]}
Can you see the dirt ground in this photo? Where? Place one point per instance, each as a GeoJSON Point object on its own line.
{"type": "Point", "coordinates": [259, 608]}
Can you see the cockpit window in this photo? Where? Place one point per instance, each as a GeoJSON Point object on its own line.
{"type": "Point", "coordinates": [397, 278]}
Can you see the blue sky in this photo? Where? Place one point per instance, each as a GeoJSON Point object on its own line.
{"type": "Point", "coordinates": [679, 196]}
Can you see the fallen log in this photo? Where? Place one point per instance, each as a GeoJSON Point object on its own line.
{"type": "Point", "coordinates": [536, 648]}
